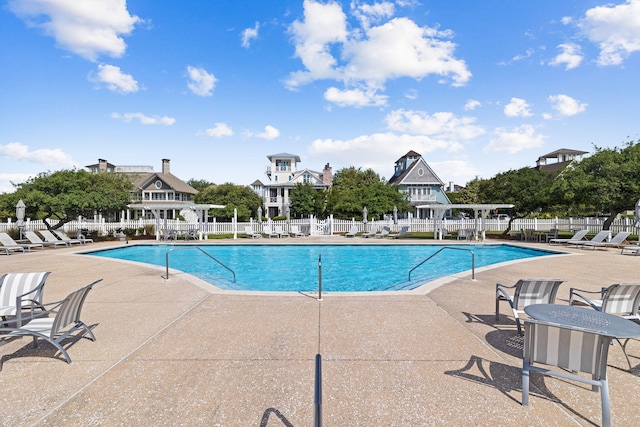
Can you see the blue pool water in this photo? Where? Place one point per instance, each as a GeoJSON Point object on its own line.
{"type": "Point", "coordinates": [345, 268]}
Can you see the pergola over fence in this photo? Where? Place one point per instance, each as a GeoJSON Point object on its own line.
{"type": "Point", "coordinates": [479, 221]}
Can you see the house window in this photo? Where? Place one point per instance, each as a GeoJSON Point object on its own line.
{"type": "Point", "coordinates": [306, 178]}
{"type": "Point", "coordinates": [158, 184]}
{"type": "Point", "coordinates": [282, 165]}
{"type": "Point", "coordinates": [158, 196]}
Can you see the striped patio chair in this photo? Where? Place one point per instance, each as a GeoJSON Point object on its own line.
{"type": "Point", "coordinates": [573, 349]}
{"type": "Point", "coordinates": [526, 292]}
{"type": "Point", "coordinates": [19, 291]}
{"type": "Point", "coordinates": [64, 322]}
{"type": "Point", "coordinates": [621, 299]}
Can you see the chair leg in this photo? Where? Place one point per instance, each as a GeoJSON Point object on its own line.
{"type": "Point", "coordinates": [604, 397]}
{"type": "Point", "coordinates": [624, 349]}
{"type": "Point", "coordinates": [525, 386]}
{"type": "Point", "coordinates": [518, 324]}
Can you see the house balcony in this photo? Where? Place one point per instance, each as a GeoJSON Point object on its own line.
{"type": "Point", "coordinates": [422, 198]}
{"type": "Point", "coordinates": [270, 170]}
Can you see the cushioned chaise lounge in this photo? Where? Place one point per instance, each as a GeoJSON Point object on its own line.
{"type": "Point", "coordinates": [33, 238]}
{"type": "Point", "coordinates": [598, 238]}
{"type": "Point", "coordinates": [65, 238]}
{"type": "Point", "coordinates": [579, 235]}
{"type": "Point", "coordinates": [617, 241]}
{"type": "Point", "coordinates": [8, 244]}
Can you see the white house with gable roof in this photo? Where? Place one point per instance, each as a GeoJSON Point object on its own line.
{"type": "Point", "coordinates": [283, 175]}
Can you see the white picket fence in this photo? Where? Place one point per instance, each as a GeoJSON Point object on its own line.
{"type": "Point", "coordinates": [330, 225]}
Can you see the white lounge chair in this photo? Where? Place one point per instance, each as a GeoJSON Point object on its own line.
{"type": "Point", "coordinates": [634, 249]}
{"type": "Point", "coordinates": [50, 237]}
{"type": "Point", "coordinates": [372, 231]}
{"type": "Point", "coordinates": [248, 230]}
{"type": "Point", "coordinates": [20, 291]}
{"type": "Point", "coordinates": [279, 231]}
{"type": "Point", "coordinates": [577, 236]}
{"type": "Point", "coordinates": [598, 238]}
{"type": "Point", "coordinates": [384, 233]}
{"type": "Point", "coordinates": [353, 232]}
{"type": "Point", "coordinates": [269, 232]}
{"type": "Point", "coordinates": [403, 232]}
{"type": "Point", "coordinates": [617, 241]}
{"type": "Point", "coordinates": [55, 329]}
{"type": "Point", "coordinates": [33, 238]}
{"type": "Point", "coordinates": [65, 237]}
{"type": "Point", "coordinates": [295, 231]}
{"type": "Point", "coordinates": [526, 292]}
{"type": "Point", "coordinates": [8, 244]}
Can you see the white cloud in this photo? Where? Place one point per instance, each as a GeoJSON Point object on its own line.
{"type": "Point", "coordinates": [528, 54]}
{"type": "Point", "coordinates": [324, 24]}
{"type": "Point", "coordinates": [471, 105]}
{"type": "Point", "coordinates": [114, 79]}
{"type": "Point", "coordinates": [373, 151]}
{"type": "Point", "coordinates": [444, 126]}
{"type": "Point", "coordinates": [269, 133]}
{"type": "Point", "coordinates": [219, 130]}
{"type": "Point", "coordinates": [45, 156]}
{"type": "Point", "coordinates": [370, 55]}
{"type": "Point", "coordinates": [354, 97]}
{"type": "Point", "coordinates": [143, 119]}
{"type": "Point", "coordinates": [566, 105]}
{"type": "Point", "coordinates": [616, 30]}
{"type": "Point", "coordinates": [249, 34]}
{"type": "Point", "coordinates": [201, 82]}
{"type": "Point", "coordinates": [517, 108]}
{"type": "Point", "coordinates": [6, 180]}
{"type": "Point", "coordinates": [458, 171]}
{"type": "Point", "coordinates": [372, 13]}
{"type": "Point", "coordinates": [518, 139]}
{"type": "Point", "coordinates": [400, 48]}
{"type": "Point", "coordinates": [571, 56]}
{"type": "Point", "coordinates": [86, 28]}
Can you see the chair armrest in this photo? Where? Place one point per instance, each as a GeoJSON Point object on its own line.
{"type": "Point", "coordinates": [574, 294]}
{"type": "Point", "coordinates": [501, 293]}
{"type": "Point", "coordinates": [501, 286]}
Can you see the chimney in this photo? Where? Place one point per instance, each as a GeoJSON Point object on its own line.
{"type": "Point", "coordinates": [166, 168]}
{"type": "Point", "coordinates": [102, 165]}
{"type": "Point", "coordinates": [327, 176]}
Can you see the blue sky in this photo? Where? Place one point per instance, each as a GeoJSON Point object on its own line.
{"type": "Point", "coordinates": [476, 87]}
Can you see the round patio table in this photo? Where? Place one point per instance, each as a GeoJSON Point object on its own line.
{"type": "Point", "coordinates": [604, 323]}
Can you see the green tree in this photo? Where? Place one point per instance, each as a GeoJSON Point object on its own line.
{"type": "Point", "coordinates": [528, 190]}
{"type": "Point", "coordinates": [354, 189]}
{"type": "Point", "coordinates": [304, 200]}
{"type": "Point", "coordinates": [608, 181]}
{"type": "Point", "coordinates": [232, 196]}
{"type": "Point", "coordinates": [64, 195]}
{"type": "Point", "coordinates": [199, 184]}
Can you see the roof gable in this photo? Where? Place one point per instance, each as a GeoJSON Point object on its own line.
{"type": "Point", "coordinates": [147, 181]}
{"type": "Point", "coordinates": [419, 172]}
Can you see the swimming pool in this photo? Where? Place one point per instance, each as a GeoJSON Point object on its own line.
{"type": "Point", "coordinates": [345, 268]}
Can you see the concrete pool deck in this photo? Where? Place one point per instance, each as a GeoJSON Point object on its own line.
{"type": "Point", "coordinates": [179, 352]}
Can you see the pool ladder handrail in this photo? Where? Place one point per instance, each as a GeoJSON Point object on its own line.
{"type": "Point", "coordinates": [201, 250]}
{"type": "Point", "coordinates": [473, 260]}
